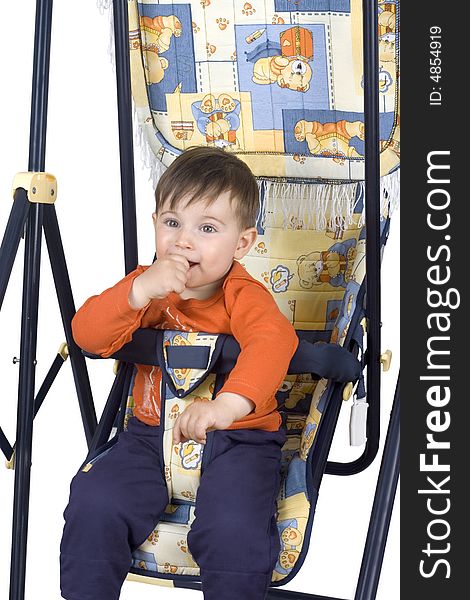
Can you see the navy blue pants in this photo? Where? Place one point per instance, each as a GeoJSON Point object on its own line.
{"type": "Point", "coordinates": [233, 538]}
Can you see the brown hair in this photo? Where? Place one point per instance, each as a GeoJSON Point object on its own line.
{"type": "Point", "coordinates": [203, 173]}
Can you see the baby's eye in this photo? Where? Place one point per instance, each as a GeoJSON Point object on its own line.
{"type": "Point", "coordinates": [171, 222]}
{"type": "Point", "coordinates": [208, 229]}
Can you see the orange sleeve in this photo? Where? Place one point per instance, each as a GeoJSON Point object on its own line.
{"type": "Point", "coordinates": [267, 341]}
{"type": "Point", "coordinates": [106, 322]}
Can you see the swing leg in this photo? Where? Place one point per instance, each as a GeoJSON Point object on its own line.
{"type": "Point", "coordinates": [67, 311]}
{"type": "Point", "coordinates": [11, 239]}
{"type": "Point", "coordinates": [34, 214]}
{"type": "Point", "coordinates": [29, 318]}
{"type": "Point", "coordinates": [382, 508]}
{"type": "Point", "coordinates": [8, 250]}
{"type": "Point", "coordinates": [24, 432]}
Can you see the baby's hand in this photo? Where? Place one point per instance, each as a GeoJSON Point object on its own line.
{"type": "Point", "coordinates": [167, 274]}
{"type": "Point", "coordinates": [198, 418]}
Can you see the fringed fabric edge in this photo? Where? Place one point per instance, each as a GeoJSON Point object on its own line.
{"type": "Point", "coordinates": [389, 193]}
{"type": "Point", "coordinates": [310, 206]}
{"type": "Point", "coordinates": [321, 206]}
{"type": "Point", "coordinates": [103, 5]}
{"type": "Point", "coordinates": [147, 155]}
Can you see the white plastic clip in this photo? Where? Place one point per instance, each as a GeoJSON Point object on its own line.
{"type": "Point", "coordinates": [357, 422]}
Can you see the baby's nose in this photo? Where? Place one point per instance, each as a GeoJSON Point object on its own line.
{"type": "Point", "coordinates": [184, 240]}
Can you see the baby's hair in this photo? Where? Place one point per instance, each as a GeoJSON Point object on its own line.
{"type": "Point", "coordinates": [203, 173]}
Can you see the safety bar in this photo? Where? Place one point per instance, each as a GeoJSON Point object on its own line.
{"type": "Point", "coordinates": [320, 359]}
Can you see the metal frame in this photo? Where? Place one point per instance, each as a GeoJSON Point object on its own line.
{"type": "Point", "coordinates": [35, 218]}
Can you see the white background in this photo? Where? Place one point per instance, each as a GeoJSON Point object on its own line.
{"type": "Point", "coordinates": [82, 152]}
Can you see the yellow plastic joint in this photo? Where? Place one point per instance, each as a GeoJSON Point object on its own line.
{"type": "Point", "coordinates": [116, 364]}
{"type": "Point", "coordinates": [40, 187]}
{"type": "Point", "coordinates": [10, 464]}
{"type": "Point", "coordinates": [151, 580]}
{"type": "Point", "coordinates": [347, 391]}
{"type": "Point", "coordinates": [63, 351]}
{"type": "Point", "coordinates": [386, 360]}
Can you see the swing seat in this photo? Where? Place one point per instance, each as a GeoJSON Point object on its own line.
{"type": "Point", "coordinates": [191, 364]}
{"type": "Point", "coordinates": [282, 88]}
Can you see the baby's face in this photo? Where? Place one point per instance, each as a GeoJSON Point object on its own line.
{"type": "Point", "coordinates": [208, 236]}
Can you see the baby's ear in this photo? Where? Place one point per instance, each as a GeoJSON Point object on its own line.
{"type": "Point", "coordinates": [245, 242]}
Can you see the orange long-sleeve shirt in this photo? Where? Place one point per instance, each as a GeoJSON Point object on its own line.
{"type": "Point", "coordinates": [243, 307]}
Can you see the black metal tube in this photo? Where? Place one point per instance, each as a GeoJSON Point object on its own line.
{"type": "Point", "coordinates": [126, 144]}
{"type": "Point", "coordinates": [281, 594]}
{"type": "Point", "coordinates": [372, 210]}
{"type": "Point", "coordinates": [47, 383]}
{"type": "Point", "coordinates": [31, 275]}
{"type": "Point", "coordinates": [40, 91]}
{"type": "Point", "coordinates": [24, 431]}
{"type": "Point", "coordinates": [355, 466]}
{"type": "Point", "coordinates": [119, 388]}
{"type": "Point", "coordinates": [67, 311]}
{"type": "Point", "coordinates": [8, 251]}
{"type": "Point", "coordinates": [5, 445]}
{"type": "Point", "coordinates": [373, 242]}
{"type": "Point", "coordinates": [11, 238]}
{"type": "Point", "coordinates": [382, 508]}
{"type": "Point", "coordinates": [277, 593]}
{"type": "Point", "coordinates": [325, 436]}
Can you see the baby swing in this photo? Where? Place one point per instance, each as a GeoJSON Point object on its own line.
{"type": "Point", "coordinates": [312, 107]}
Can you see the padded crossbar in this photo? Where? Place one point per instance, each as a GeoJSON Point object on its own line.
{"type": "Point", "coordinates": [309, 357]}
